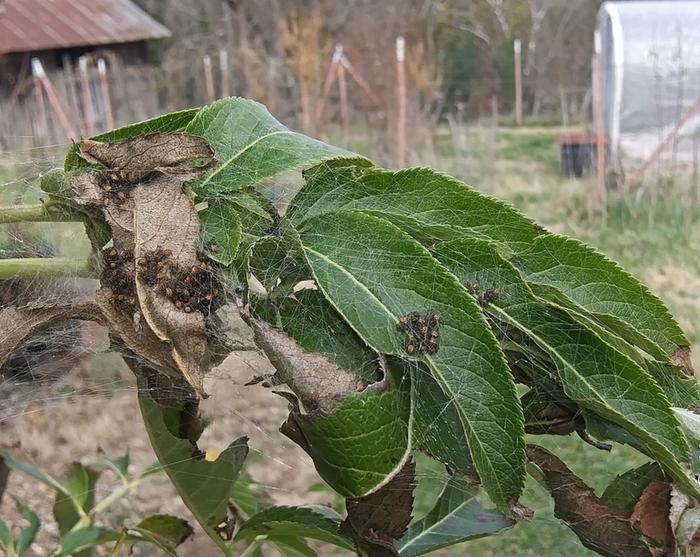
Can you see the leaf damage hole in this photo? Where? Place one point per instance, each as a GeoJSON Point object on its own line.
{"type": "Point", "coordinates": [423, 332]}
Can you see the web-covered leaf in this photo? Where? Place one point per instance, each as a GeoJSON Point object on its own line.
{"type": "Point", "coordinates": [458, 516]}
{"type": "Point", "coordinates": [375, 274]}
{"type": "Point", "coordinates": [593, 374]}
{"type": "Point", "coordinates": [252, 146]}
{"type": "Point", "coordinates": [431, 203]}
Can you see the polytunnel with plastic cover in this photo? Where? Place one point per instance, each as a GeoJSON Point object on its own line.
{"type": "Point", "coordinates": [651, 78]}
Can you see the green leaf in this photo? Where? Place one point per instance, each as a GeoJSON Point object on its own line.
{"type": "Point", "coordinates": [120, 465]}
{"type": "Point", "coordinates": [601, 287]}
{"type": "Point", "coordinates": [457, 517]}
{"type": "Point", "coordinates": [315, 324]}
{"type": "Point", "coordinates": [374, 274]}
{"type": "Point", "coordinates": [252, 146]}
{"type": "Point", "coordinates": [32, 471]}
{"type": "Point", "coordinates": [28, 533]}
{"type": "Point", "coordinates": [626, 489]}
{"type": "Point", "coordinates": [423, 200]}
{"type": "Point", "coordinates": [168, 123]}
{"type": "Point", "coordinates": [362, 444]}
{"type": "Point", "coordinates": [690, 423]}
{"type": "Point", "coordinates": [246, 497]}
{"type": "Point", "coordinates": [437, 425]}
{"type": "Point", "coordinates": [424, 196]}
{"type": "Point", "coordinates": [6, 541]}
{"type": "Point", "coordinates": [80, 485]}
{"type": "Point", "coordinates": [221, 231]}
{"type": "Point", "coordinates": [76, 541]}
{"type": "Point", "coordinates": [278, 259]}
{"type": "Point", "coordinates": [164, 530]}
{"type": "Point", "coordinates": [293, 547]}
{"type": "Point", "coordinates": [318, 523]}
{"type": "Point", "coordinates": [204, 486]}
{"type": "Point", "coordinates": [681, 390]}
{"type": "Point", "coordinates": [593, 374]}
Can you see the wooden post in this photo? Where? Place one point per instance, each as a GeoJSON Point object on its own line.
{"type": "Point", "coordinates": [106, 95]}
{"type": "Point", "coordinates": [330, 79]}
{"type": "Point", "coordinates": [41, 123]}
{"type": "Point", "coordinates": [361, 82]}
{"type": "Point", "coordinates": [88, 106]}
{"type": "Point", "coordinates": [401, 102]}
{"type": "Point", "coordinates": [208, 78]}
{"type": "Point", "coordinates": [344, 109]}
{"type": "Point", "coordinates": [54, 100]}
{"type": "Point", "coordinates": [517, 52]}
{"type": "Point", "coordinates": [599, 127]}
{"type": "Point", "coordinates": [223, 68]}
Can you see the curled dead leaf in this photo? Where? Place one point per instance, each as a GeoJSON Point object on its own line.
{"type": "Point", "coordinates": [377, 520]}
{"type": "Point", "coordinates": [148, 294]}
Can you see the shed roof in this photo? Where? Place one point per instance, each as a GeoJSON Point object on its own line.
{"type": "Point", "coordinates": [31, 25]}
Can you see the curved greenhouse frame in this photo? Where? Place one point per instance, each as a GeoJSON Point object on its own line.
{"type": "Point", "coordinates": [651, 78]}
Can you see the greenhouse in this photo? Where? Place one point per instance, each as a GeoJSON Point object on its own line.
{"type": "Point", "coordinates": [651, 80]}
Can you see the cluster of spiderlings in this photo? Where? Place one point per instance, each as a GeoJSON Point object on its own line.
{"type": "Point", "coordinates": [423, 332]}
{"type": "Point", "coordinates": [153, 266]}
{"type": "Point", "coordinates": [115, 188]}
{"type": "Point", "coordinates": [118, 274]}
{"type": "Point", "coordinates": [483, 297]}
{"type": "Point", "coordinates": [199, 289]}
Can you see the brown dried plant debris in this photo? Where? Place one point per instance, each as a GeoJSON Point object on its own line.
{"type": "Point", "coordinates": [138, 158]}
{"type": "Point", "coordinates": [319, 383]}
{"type": "Point", "coordinates": [17, 325]}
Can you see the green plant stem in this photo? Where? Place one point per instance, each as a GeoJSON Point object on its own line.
{"type": "Point", "coordinates": [50, 211]}
{"type": "Point", "coordinates": [43, 267]}
{"type": "Point", "coordinates": [250, 550]}
{"type": "Point", "coordinates": [118, 546]}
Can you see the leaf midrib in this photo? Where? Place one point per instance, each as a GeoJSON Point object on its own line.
{"type": "Point", "coordinates": [434, 526]}
{"type": "Point", "coordinates": [230, 160]}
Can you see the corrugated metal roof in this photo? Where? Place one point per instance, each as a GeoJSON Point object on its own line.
{"type": "Point", "coordinates": [31, 25]}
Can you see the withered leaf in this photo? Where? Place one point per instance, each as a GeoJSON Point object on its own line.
{"type": "Point", "coordinates": [17, 325]}
{"type": "Point", "coordinates": [377, 520]}
{"type": "Point", "coordinates": [165, 220]}
{"type": "Point", "coordinates": [161, 152]}
{"type": "Point", "coordinates": [604, 529]}
{"type": "Point", "coordinates": [318, 381]}
{"type": "Point", "coordinates": [155, 231]}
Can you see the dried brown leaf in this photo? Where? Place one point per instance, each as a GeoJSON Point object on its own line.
{"type": "Point", "coordinates": [155, 231]}
{"type": "Point", "coordinates": [158, 152]}
{"type": "Point", "coordinates": [165, 221]}
{"type": "Point", "coordinates": [17, 325]}
{"type": "Point", "coordinates": [377, 520]}
{"type": "Point", "coordinates": [650, 515]}
{"type": "Point", "coordinates": [601, 528]}
{"type": "Point", "coordinates": [318, 381]}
